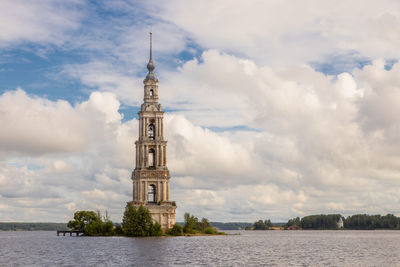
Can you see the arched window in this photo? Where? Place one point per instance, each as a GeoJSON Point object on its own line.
{"type": "Point", "coordinates": [151, 131]}
{"type": "Point", "coordinates": [151, 196]}
{"type": "Point", "coordinates": [151, 92]}
{"type": "Point", "coordinates": [151, 158]}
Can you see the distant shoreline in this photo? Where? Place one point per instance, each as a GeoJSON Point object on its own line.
{"type": "Point", "coordinates": [32, 226]}
{"type": "Point", "coordinates": [51, 226]}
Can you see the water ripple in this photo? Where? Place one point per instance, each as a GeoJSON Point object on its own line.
{"type": "Point", "coordinates": [250, 248]}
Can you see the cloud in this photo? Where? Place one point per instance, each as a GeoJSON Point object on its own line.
{"type": "Point", "coordinates": [39, 126]}
{"type": "Point", "coordinates": [319, 145]}
{"type": "Point", "coordinates": [36, 126]}
{"type": "Point", "coordinates": [286, 33]}
{"type": "Point", "coordinates": [196, 151]}
{"type": "Point", "coordinates": [59, 153]}
{"type": "Point", "coordinates": [322, 139]}
{"type": "Point", "coordinates": [41, 22]}
{"type": "Point", "coordinates": [107, 77]}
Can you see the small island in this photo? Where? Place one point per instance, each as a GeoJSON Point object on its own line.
{"type": "Point", "coordinates": [137, 223]}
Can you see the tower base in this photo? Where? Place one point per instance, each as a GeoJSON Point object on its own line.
{"type": "Point", "coordinates": [163, 213]}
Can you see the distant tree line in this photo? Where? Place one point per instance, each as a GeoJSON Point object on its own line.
{"type": "Point", "coordinates": [320, 222]}
{"type": "Point", "coordinates": [230, 225]}
{"type": "Point", "coordinates": [371, 222]}
{"type": "Point", "coordinates": [353, 222]}
{"type": "Point", "coordinates": [16, 226]}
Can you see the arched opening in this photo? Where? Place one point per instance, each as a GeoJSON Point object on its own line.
{"type": "Point", "coordinates": [151, 158]}
{"type": "Point", "coordinates": [151, 131]}
{"type": "Point", "coordinates": [151, 196]}
{"type": "Point", "coordinates": [151, 92]}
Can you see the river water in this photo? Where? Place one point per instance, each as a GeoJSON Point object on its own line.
{"type": "Point", "coordinates": [249, 248]}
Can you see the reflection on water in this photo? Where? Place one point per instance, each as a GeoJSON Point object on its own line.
{"type": "Point", "coordinates": [250, 248]}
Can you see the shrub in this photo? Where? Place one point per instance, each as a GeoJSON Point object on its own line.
{"type": "Point", "coordinates": [176, 230]}
{"type": "Point", "coordinates": [210, 231]}
{"type": "Point", "coordinates": [118, 230]}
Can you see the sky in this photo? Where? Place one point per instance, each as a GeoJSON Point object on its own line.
{"type": "Point", "coordinates": [273, 109]}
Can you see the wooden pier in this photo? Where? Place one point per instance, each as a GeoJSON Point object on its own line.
{"type": "Point", "coordinates": [77, 233]}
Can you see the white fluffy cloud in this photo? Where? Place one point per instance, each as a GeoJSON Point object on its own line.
{"type": "Point", "coordinates": [329, 142]}
{"type": "Point", "coordinates": [40, 22]}
{"type": "Point", "coordinates": [59, 153]}
{"type": "Point", "coordinates": [287, 32]}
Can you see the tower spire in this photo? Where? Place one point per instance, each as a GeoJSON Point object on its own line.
{"type": "Point", "coordinates": [151, 66]}
{"type": "Point", "coordinates": [151, 45]}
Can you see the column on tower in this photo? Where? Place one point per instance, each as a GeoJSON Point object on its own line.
{"type": "Point", "coordinates": [136, 154]}
{"type": "Point", "coordinates": [167, 191]}
{"type": "Point", "coordinates": [162, 128]}
{"type": "Point", "coordinates": [164, 191]}
{"type": "Point", "coordinates": [136, 191]}
{"type": "Point", "coordinates": [161, 155]}
{"type": "Point", "coordinates": [146, 157]}
{"type": "Point", "coordinates": [144, 191]}
{"type": "Point", "coordinates": [142, 124]}
{"type": "Point", "coordinates": [140, 127]}
{"type": "Point", "coordinates": [145, 126]}
{"type": "Point", "coordinates": [156, 156]}
{"type": "Point", "coordinates": [141, 156]}
{"type": "Point", "coordinates": [164, 157]}
{"type": "Point", "coordinates": [159, 127]}
{"type": "Point", "coordinates": [158, 191]}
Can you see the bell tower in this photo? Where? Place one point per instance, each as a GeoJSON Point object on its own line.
{"type": "Point", "coordinates": [151, 175]}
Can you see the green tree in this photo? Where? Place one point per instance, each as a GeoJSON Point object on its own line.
{"type": "Point", "coordinates": [268, 223]}
{"type": "Point", "coordinates": [204, 224]}
{"type": "Point", "coordinates": [82, 219]}
{"type": "Point", "coordinates": [108, 228]}
{"type": "Point", "coordinates": [155, 229]}
{"type": "Point", "coordinates": [262, 225]}
{"type": "Point", "coordinates": [138, 222]}
{"type": "Point", "coordinates": [144, 222]}
{"type": "Point", "coordinates": [295, 221]}
{"type": "Point", "coordinates": [191, 223]}
{"type": "Point", "coordinates": [129, 221]}
{"type": "Point", "coordinates": [91, 223]}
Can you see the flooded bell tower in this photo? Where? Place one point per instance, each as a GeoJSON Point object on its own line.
{"type": "Point", "coordinates": [151, 175]}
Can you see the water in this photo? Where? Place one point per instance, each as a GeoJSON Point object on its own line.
{"type": "Point", "coordinates": [250, 248]}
